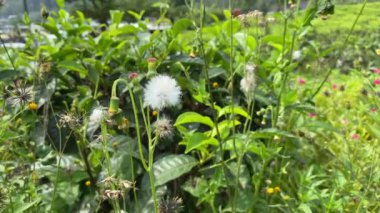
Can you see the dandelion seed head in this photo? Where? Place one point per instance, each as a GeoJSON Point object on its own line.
{"type": "Point", "coordinates": [162, 91]}
{"type": "Point", "coordinates": [163, 127]}
{"type": "Point", "coordinates": [69, 120]}
{"type": "Point", "coordinates": [248, 82]}
{"type": "Point", "coordinates": [171, 205]}
{"type": "Point", "coordinates": [98, 115]}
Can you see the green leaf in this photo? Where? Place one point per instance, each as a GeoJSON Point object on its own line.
{"type": "Point", "coordinates": [171, 167]}
{"type": "Point", "coordinates": [26, 206]}
{"type": "Point", "coordinates": [116, 16]}
{"type": "Point", "coordinates": [181, 25]}
{"type": "Point", "coordinates": [26, 18]}
{"type": "Point", "coordinates": [161, 5]}
{"type": "Point", "coordinates": [193, 117]}
{"type": "Point", "coordinates": [60, 3]}
{"type": "Point", "coordinates": [71, 65]}
{"type": "Point", "coordinates": [236, 109]}
{"type": "Point", "coordinates": [245, 40]}
{"type": "Point", "coordinates": [216, 71]}
{"type": "Point", "coordinates": [304, 208]}
{"type": "Point", "coordinates": [310, 13]}
{"type": "Point", "coordinates": [270, 132]}
{"type": "Point", "coordinates": [8, 74]}
{"type": "Point", "coordinates": [198, 140]}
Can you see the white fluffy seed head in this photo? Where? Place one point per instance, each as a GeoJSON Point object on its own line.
{"type": "Point", "coordinates": [163, 127]}
{"type": "Point", "coordinates": [248, 82]}
{"type": "Point", "coordinates": [97, 115]}
{"type": "Point", "coordinates": [162, 91]}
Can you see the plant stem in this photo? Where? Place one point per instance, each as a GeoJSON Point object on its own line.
{"type": "Point", "coordinates": [151, 146]}
{"type": "Point", "coordinates": [340, 50]}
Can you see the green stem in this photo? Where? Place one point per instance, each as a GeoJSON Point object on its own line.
{"type": "Point", "coordinates": [137, 124]}
{"type": "Point", "coordinates": [149, 167]}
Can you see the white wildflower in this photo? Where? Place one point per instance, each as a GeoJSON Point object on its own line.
{"type": "Point", "coordinates": [248, 82]}
{"type": "Point", "coordinates": [161, 91]}
{"type": "Point", "coordinates": [163, 127]}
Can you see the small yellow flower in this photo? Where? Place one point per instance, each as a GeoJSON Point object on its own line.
{"type": "Point", "coordinates": [277, 189]}
{"type": "Point", "coordinates": [33, 106]}
{"type": "Point", "coordinates": [154, 113]}
{"type": "Point", "coordinates": [215, 85]}
{"type": "Point", "coordinates": [87, 183]}
{"type": "Point", "coordinates": [378, 51]}
{"type": "Point", "coordinates": [270, 190]}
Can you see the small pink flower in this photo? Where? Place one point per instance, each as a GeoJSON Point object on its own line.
{"type": "Point", "coordinates": [312, 114]}
{"type": "Point", "coordinates": [377, 81]}
{"type": "Point", "coordinates": [301, 81]}
{"type": "Point", "coordinates": [376, 70]}
{"type": "Point", "coordinates": [132, 75]}
{"type": "Point", "coordinates": [334, 86]}
{"type": "Point", "coordinates": [355, 136]}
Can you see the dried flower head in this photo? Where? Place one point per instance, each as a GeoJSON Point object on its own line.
{"type": "Point", "coordinates": [112, 194]}
{"type": "Point", "coordinates": [163, 127]}
{"type": "Point", "coordinates": [20, 94]}
{"type": "Point", "coordinates": [246, 19]}
{"type": "Point", "coordinates": [248, 82]}
{"type": "Point", "coordinates": [126, 184]}
{"type": "Point", "coordinates": [171, 205]}
{"type": "Point", "coordinates": [45, 67]}
{"type": "Point", "coordinates": [162, 91]}
{"type": "Point", "coordinates": [69, 120]}
{"type": "Point", "coordinates": [108, 181]}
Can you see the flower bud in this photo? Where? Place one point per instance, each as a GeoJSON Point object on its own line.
{"type": "Point", "coordinates": [152, 65]}
{"type": "Point", "coordinates": [114, 106]}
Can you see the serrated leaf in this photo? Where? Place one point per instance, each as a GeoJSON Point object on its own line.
{"type": "Point", "coordinates": [193, 117]}
{"type": "Point", "coordinates": [171, 167]}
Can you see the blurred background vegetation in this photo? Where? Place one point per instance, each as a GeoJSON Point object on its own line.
{"type": "Point", "coordinates": [99, 9]}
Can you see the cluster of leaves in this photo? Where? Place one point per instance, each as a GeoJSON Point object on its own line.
{"type": "Point", "coordinates": [231, 151]}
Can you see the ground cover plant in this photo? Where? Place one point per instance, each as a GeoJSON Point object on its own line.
{"type": "Point", "coordinates": [249, 112]}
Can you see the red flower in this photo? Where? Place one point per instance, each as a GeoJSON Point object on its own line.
{"type": "Point", "coordinates": [355, 136]}
{"type": "Point", "coordinates": [301, 81]}
{"type": "Point", "coordinates": [312, 114]}
{"type": "Point", "coordinates": [374, 109]}
{"type": "Point", "coordinates": [334, 86]}
{"type": "Point", "coordinates": [377, 81]}
{"type": "Point", "coordinates": [376, 70]}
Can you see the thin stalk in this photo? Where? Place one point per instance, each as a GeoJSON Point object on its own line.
{"type": "Point", "coordinates": [137, 124]}
{"type": "Point", "coordinates": [149, 167]}
{"type": "Point", "coordinates": [6, 51]}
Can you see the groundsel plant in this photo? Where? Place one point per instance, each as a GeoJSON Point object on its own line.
{"type": "Point", "coordinates": [160, 92]}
